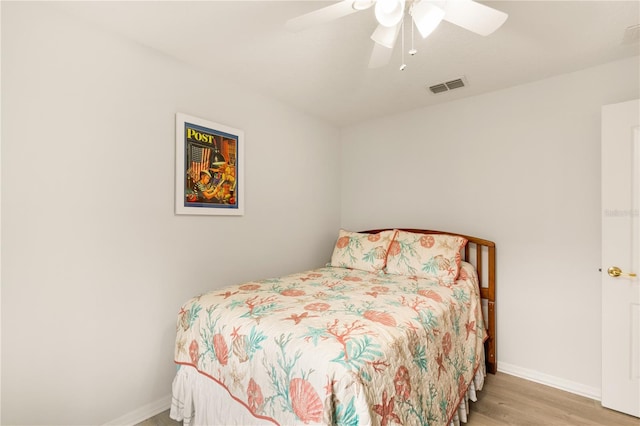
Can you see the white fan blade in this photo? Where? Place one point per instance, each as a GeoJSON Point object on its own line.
{"type": "Point", "coordinates": [386, 36]}
{"type": "Point", "coordinates": [474, 16]}
{"type": "Point", "coordinates": [380, 56]}
{"type": "Point", "coordinates": [426, 17]}
{"type": "Point", "coordinates": [321, 16]}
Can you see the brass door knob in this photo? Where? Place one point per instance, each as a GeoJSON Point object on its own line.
{"type": "Point", "coordinates": [616, 272]}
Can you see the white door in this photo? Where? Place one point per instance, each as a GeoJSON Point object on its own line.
{"type": "Point", "coordinates": [621, 257]}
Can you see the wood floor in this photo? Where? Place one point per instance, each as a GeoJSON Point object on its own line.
{"type": "Point", "coordinates": [508, 400]}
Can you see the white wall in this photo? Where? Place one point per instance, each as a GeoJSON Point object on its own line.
{"type": "Point", "coordinates": [95, 264]}
{"type": "Point", "coordinates": [520, 167]}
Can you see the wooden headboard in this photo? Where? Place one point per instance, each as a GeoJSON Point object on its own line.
{"type": "Point", "coordinates": [474, 253]}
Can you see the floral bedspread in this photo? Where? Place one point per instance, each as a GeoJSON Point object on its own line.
{"type": "Point", "coordinates": [339, 346]}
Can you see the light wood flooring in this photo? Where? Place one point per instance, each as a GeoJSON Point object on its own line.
{"type": "Point", "coordinates": [508, 400]}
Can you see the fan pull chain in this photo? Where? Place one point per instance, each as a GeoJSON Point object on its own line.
{"type": "Point", "coordinates": [413, 50]}
{"type": "Point", "coordinates": [403, 66]}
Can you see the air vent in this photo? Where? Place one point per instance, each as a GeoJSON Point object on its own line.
{"type": "Point", "coordinates": [455, 84]}
{"type": "Point", "coordinates": [449, 85]}
{"type": "Point", "coordinates": [439, 88]}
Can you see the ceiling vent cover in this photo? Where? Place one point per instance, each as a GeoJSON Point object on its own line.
{"type": "Point", "coordinates": [449, 85]}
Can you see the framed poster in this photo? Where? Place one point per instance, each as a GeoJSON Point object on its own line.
{"type": "Point", "coordinates": [209, 167]}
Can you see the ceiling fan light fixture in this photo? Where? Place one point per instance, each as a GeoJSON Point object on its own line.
{"type": "Point", "coordinates": [389, 12]}
{"type": "Point", "coordinates": [426, 17]}
{"type": "Point", "coordinates": [386, 36]}
{"type": "Point", "coordinates": [362, 4]}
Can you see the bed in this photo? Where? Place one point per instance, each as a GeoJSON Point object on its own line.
{"type": "Point", "coordinates": [399, 328]}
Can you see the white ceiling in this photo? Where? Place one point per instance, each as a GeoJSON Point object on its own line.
{"type": "Point", "coordinates": [323, 71]}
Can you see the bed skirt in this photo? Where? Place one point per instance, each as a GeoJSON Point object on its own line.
{"type": "Point", "coordinates": [475, 386]}
{"type": "Point", "coordinates": [200, 400]}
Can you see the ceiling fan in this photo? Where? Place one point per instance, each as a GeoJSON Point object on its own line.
{"type": "Point", "coordinates": [426, 15]}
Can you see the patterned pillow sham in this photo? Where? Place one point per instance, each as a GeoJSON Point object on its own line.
{"type": "Point", "coordinates": [356, 250]}
{"type": "Point", "coordinates": [435, 256]}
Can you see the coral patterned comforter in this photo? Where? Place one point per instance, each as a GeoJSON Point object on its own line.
{"type": "Point", "coordinates": [339, 346]}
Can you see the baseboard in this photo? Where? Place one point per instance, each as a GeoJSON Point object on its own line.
{"type": "Point", "coordinates": [143, 413]}
{"type": "Point", "coordinates": [548, 380]}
